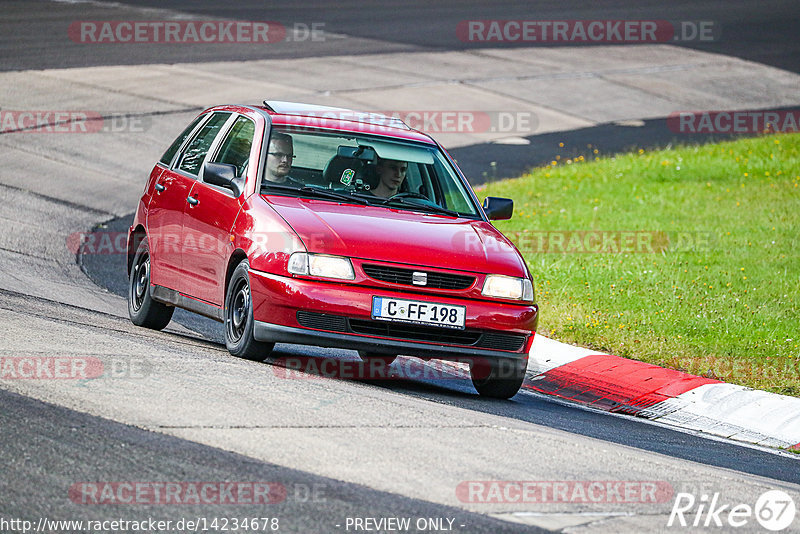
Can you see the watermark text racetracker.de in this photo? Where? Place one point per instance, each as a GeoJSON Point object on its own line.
{"type": "Point", "coordinates": [71, 122]}
{"type": "Point", "coordinates": [467, 121]}
{"type": "Point", "coordinates": [193, 32]}
{"type": "Point", "coordinates": [777, 367]}
{"type": "Point", "coordinates": [595, 241]}
{"type": "Point", "coordinates": [50, 367]}
{"type": "Point", "coordinates": [735, 122]}
{"type": "Point", "coordinates": [311, 368]}
{"type": "Point", "coordinates": [587, 31]}
{"type": "Point", "coordinates": [430, 121]}
{"type": "Point", "coordinates": [177, 493]}
{"type": "Point", "coordinates": [73, 368]}
{"type": "Point", "coordinates": [564, 491]}
{"type": "Point", "coordinates": [103, 242]}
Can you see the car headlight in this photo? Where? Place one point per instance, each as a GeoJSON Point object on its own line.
{"type": "Point", "coordinates": [507, 287]}
{"type": "Point", "coordinates": [321, 265]}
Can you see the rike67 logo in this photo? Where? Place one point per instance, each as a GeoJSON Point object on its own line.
{"type": "Point", "coordinates": [774, 510]}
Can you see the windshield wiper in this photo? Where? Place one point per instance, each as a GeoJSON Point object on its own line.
{"type": "Point", "coordinates": [433, 208]}
{"type": "Point", "coordinates": [317, 192]}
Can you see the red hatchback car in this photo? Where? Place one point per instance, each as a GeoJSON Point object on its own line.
{"type": "Point", "coordinates": [306, 224]}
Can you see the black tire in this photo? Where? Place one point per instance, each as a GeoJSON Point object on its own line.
{"type": "Point", "coordinates": [385, 359]}
{"type": "Point", "coordinates": [142, 309]}
{"type": "Point", "coordinates": [239, 323]}
{"type": "Point", "coordinates": [498, 379]}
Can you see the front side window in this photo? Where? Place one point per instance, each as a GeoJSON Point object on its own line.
{"type": "Point", "coordinates": [166, 159]}
{"type": "Point", "coordinates": [196, 151]}
{"type": "Point", "coordinates": [235, 148]}
{"type": "Point", "coordinates": [367, 170]}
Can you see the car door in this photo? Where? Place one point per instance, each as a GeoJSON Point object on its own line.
{"type": "Point", "coordinates": [209, 218]}
{"type": "Point", "coordinates": [165, 213]}
{"type": "Point", "coordinates": [178, 182]}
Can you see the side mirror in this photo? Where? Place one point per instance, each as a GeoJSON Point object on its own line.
{"type": "Point", "coordinates": [498, 208]}
{"type": "Point", "coordinates": [222, 175]}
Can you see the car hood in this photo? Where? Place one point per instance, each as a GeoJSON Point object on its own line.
{"type": "Point", "coordinates": [399, 236]}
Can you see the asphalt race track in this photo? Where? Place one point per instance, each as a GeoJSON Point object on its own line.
{"type": "Point", "coordinates": [765, 32]}
{"type": "Point", "coordinates": [175, 407]}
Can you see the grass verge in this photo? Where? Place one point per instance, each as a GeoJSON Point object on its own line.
{"type": "Point", "coordinates": [687, 258]}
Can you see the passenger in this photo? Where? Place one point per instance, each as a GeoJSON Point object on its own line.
{"type": "Point", "coordinates": [391, 173]}
{"type": "Point", "coordinates": [279, 159]}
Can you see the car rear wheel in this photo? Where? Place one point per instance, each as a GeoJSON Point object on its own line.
{"type": "Point", "coordinates": [384, 359]}
{"type": "Point", "coordinates": [499, 379]}
{"type": "Point", "coordinates": [142, 309]}
{"type": "Point", "coordinates": [239, 323]}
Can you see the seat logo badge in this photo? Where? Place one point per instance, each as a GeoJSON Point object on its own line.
{"type": "Point", "coordinates": [419, 279]}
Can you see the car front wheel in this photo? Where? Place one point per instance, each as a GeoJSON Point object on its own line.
{"type": "Point", "coordinates": [142, 309]}
{"type": "Point", "coordinates": [239, 323]}
{"type": "Point", "coordinates": [499, 379]}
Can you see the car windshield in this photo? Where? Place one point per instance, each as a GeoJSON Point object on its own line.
{"type": "Point", "coordinates": [349, 167]}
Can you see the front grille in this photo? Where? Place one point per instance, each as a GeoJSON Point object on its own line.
{"type": "Point", "coordinates": [412, 332]}
{"type": "Point", "coordinates": [436, 280]}
{"type": "Point", "coordinates": [512, 342]}
{"type": "Point", "coordinates": [322, 321]}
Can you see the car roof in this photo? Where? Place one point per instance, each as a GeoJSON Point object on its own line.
{"type": "Point", "coordinates": [332, 118]}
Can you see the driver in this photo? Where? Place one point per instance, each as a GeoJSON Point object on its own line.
{"type": "Point", "coordinates": [279, 159]}
{"type": "Point", "coordinates": [391, 173]}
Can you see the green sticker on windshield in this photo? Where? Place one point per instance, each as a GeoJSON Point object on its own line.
{"type": "Point", "coordinates": [347, 176]}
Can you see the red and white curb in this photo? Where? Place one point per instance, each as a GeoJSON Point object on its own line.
{"type": "Point", "coordinates": [615, 384]}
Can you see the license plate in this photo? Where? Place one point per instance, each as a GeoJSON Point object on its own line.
{"type": "Point", "coordinates": [412, 311]}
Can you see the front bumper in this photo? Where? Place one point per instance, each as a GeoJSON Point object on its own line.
{"type": "Point", "coordinates": [344, 319]}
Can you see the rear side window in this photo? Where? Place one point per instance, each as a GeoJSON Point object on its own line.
{"type": "Point", "coordinates": [196, 151]}
{"type": "Point", "coordinates": [166, 159]}
{"type": "Point", "coordinates": [235, 149]}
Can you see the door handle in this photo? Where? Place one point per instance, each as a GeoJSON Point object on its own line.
{"type": "Point", "coordinates": [193, 201]}
{"type": "Point", "coordinates": [160, 188]}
